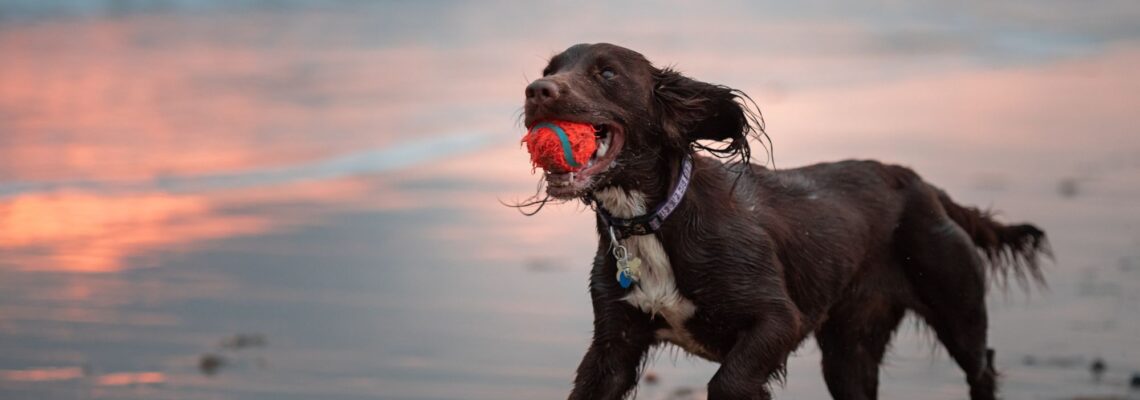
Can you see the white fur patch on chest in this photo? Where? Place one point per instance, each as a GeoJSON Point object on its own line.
{"type": "Point", "coordinates": [656, 291]}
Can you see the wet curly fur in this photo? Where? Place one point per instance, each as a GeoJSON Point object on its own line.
{"type": "Point", "coordinates": [840, 250]}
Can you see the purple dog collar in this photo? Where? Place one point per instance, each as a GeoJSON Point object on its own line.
{"type": "Point", "coordinates": [651, 222]}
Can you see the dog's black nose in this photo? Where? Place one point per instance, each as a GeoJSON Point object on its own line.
{"type": "Point", "coordinates": [541, 91]}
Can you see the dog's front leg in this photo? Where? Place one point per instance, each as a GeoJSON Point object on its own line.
{"type": "Point", "coordinates": [622, 336]}
{"type": "Point", "coordinates": [759, 354]}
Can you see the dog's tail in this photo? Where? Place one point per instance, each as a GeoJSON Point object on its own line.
{"type": "Point", "coordinates": [1010, 249]}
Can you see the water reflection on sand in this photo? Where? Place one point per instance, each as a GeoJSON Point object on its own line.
{"type": "Point", "coordinates": [331, 177]}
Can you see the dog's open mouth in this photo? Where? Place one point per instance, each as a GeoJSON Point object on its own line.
{"type": "Point", "coordinates": [565, 185]}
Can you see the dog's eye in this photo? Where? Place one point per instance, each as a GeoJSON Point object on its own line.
{"type": "Point", "coordinates": [607, 73]}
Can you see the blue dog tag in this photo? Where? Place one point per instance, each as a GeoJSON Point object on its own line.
{"type": "Point", "coordinates": [624, 279]}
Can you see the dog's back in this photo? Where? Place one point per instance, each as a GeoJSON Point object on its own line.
{"type": "Point", "coordinates": [913, 249]}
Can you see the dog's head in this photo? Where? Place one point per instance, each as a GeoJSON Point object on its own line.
{"type": "Point", "coordinates": [643, 116]}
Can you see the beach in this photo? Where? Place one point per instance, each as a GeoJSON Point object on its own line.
{"type": "Point", "coordinates": [297, 200]}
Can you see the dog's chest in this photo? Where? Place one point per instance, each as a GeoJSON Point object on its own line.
{"type": "Point", "coordinates": [656, 291]}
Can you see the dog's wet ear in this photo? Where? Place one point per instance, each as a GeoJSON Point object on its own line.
{"type": "Point", "coordinates": [691, 110]}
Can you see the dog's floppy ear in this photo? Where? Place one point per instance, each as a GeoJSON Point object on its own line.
{"type": "Point", "coordinates": [691, 110]}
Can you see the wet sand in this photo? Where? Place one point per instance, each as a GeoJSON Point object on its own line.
{"type": "Point", "coordinates": [180, 179]}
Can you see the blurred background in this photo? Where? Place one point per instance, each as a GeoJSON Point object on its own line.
{"type": "Point", "coordinates": [237, 199]}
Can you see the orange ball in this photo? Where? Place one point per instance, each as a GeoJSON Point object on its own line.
{"type": "Point", "coordinates": [560, 146]}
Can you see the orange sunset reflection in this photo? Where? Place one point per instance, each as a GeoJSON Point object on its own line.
{"type": "Point", "coordinates": [130, 378]}
{"type": "Point", "coordinates": [98, 142]}
{"type": "Point", "coordinates": [53, 374]}
{"type": "Point", "coordinates": [83, 232]}
{"type": "Point", "coordinates": [43, 374]}
{"type": "Point", "coordinates": [88, 232]}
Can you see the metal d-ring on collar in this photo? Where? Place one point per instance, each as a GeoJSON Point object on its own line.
{"type": "Point", "coordinates": [650, 222]}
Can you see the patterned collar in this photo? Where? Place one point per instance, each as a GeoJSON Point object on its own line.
{"type": "Point", "coordinates": [648, 223]}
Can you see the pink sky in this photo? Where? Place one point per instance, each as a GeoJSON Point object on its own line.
{"type": "Point", "coordinates": [135, 114]}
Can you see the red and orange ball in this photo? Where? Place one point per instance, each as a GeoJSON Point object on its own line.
{"type": "Point", "coordinates": [560, 146]}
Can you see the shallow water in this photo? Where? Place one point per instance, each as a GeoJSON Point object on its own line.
{"type": "Point", "coordinates": [328, 177]}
